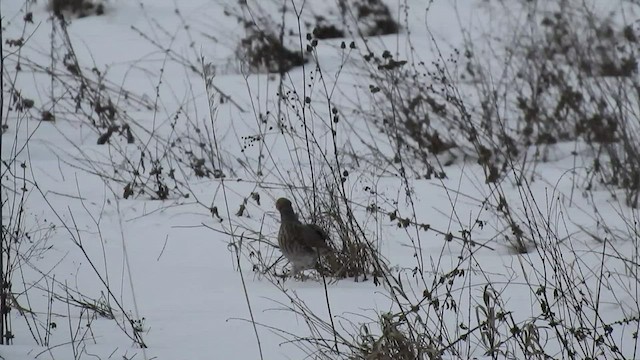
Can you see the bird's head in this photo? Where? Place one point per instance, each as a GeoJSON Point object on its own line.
{"type": "Point", "coordinates": [283, 204]}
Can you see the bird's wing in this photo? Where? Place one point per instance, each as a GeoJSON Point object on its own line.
{"type": "Point", "coordinates": [314, 236]}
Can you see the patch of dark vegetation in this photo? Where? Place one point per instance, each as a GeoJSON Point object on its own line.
{"type": "Point", "coordinates": [325, 30]}
{"type": "Point", "coordinates": [265, 52]}
{"type": "Point", "coordinates": [374, 18]}
{"type": "Point", "coordinates": [76, 8]}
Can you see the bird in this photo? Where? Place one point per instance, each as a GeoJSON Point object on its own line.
{"type": "Point", "coordinates": [302, 244]}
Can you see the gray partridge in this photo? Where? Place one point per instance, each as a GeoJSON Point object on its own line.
{"type": "Point", "coordinates": [302, 244]}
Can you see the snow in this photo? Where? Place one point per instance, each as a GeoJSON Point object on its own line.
{"type": "Point", "coordinates": [174, 267]}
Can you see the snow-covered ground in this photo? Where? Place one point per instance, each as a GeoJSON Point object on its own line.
{"type": "Point", "coordinates": [184, 277]}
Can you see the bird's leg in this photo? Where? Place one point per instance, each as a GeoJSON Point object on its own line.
{"type": "Point", "coordinates": [297, 273]}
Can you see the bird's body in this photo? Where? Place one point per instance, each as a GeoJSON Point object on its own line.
{"type": "Point", "coordinates": [301, 244]}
